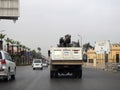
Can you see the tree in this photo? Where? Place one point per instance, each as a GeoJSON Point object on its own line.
{"type": "Point", "coordinates": [39, 49]}
{"type": "Point", "coordinates": [20, 48]}
{"type": "Point", "coordinates": [12, 42]}
{"type": "Point", "coordinates": [28, 49]}
{"type": "Point", "coordinates": [7, 41]}
{"type": "Point", "coordinates": [87, 46]}
{"type": "Point", "coordinates": [34, 53]}
{"type": "Point", "coordinates": [18, 45]}
{"type": "Point", "coordinates": [2, 36]}
{"type": "Point", "coordinates": [39, 53]}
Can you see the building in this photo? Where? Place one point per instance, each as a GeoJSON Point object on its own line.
{"type": "Point", "coordinates": [100, 60]}
{"type": "Point", "coordinates": [114, 56]}
{"type": "Point", "coordinates": [9, 9]}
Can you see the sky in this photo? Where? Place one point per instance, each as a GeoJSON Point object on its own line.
{"type": "Point", "coordinates": [43, 22]}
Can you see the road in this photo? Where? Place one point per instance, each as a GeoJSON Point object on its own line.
{"type": "Point", "coordinates": [28, 79]}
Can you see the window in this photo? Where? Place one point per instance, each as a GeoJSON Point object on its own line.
{"type": "Point", "coordinates": [7, 57]}
{"type": "Point", "coordinates": [37, 61]}
{"type": "Point", "coordinates": [117, 58]}
{"type": "Point", "coordinates": [90, 60]}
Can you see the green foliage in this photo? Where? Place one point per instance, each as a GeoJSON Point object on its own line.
{"type": "Point", "coordinates": [12, 41]}
{"type": "Point", "coordinates": [7, 40]}
{"type": "Point", "coordinates": [39, 49]}
{"type": "Point", "coordinates": [36, 54]}
{"type": "Point", "coordinates": [17, 43]}
{"type": "Point", "coordinates": [2, 36]}
{"type": "Point", "coordinates": [87, 46]}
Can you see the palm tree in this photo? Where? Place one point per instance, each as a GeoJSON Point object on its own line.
{"type": "Point", "coordinates": [29, 59]}
{"type": "Point", "coordinates": [87, 46]}
{"type": "Point", "coordinates": [2, 36]}
{"type": "Point", "coordinates": [18, 52]}
{"type": "Point", "coordinates": [24, 53]}
{"type": "Point", "coordinates": [39, 49]}
{"type": "Point", "coordinates": [28, 49]}
{"type": "Point", "coordinates": [18, 45]}
{"type": "Point", "coordinates": [12, 42]}
{"type": "Point", "coordinates": [20, 58]}
{"type": "Point", "coordinates": [8, 42]}
{"type": "Point", "coordinates": [24, 48]}
{"type": "Point", "coordinates": [34, 54]}
{"type": "Point", "coordinates": [28, 55]}
{"type": "Point", "coordinates": [39, 53]}
{"type": "Point", "coordinates": [20, 48]}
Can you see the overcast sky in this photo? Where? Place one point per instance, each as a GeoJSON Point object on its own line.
{"type": "Point", "coordinates": [43, 22]}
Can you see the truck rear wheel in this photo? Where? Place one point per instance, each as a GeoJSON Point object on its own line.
{"type": "Point", "coordinates": [80, 74]}
{"type": "Point", "coordinates": [53, 74]}
{"type": "Point", "coordinates": [74, 74]}
{"type": "Point", "coordinates": [77, 74]}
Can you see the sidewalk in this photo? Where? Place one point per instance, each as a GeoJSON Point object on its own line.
{"type": "Point", "coordinates": [111, 67]}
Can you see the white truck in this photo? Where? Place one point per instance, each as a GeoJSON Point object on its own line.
{"type": "Point", "coordinates": [64, 60]}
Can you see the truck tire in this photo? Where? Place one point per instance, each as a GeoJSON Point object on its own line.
{"type": "Point", "coordinates": [56, 74]}
{"type": "Point", "coordinates": [80, 74]}
{"type": "Point", "coordinates": [53, 74]}
{"type": "Point", "coordinates": [73, 74]}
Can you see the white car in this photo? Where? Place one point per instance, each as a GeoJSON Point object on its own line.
{"type": "Point", "coordinates": [7, 66]}
{"type": "Point", "coordinates": [45, 63]}
{"type": "Point", "coordinates": [37, 64]}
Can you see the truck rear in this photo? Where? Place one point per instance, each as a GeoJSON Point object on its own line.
{"type": "Point", "coordinates": [66, 60]}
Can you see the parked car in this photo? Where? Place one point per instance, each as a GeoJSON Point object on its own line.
{"type": "Point", "coordinates": [7, 66]}
{"type": "Point", "coordinates": [37, 64]}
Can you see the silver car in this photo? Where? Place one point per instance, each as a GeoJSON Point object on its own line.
{"type": "Point", "coordinates": [7, 66]}
{"type": "Point", "coordinates": [37, 64]}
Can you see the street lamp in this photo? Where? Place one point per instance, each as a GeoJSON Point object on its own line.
{"type": "Point", "coordinates": [81, 39]}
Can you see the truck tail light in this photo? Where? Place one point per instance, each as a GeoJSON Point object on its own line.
{"type": "Point", "coordinates": [76, 51]}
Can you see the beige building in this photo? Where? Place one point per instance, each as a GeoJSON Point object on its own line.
{"type": "Point", "coordinates": [100, 59]}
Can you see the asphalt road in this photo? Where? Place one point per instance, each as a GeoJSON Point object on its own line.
{"type": "Point", "coordinates": [28, 79]}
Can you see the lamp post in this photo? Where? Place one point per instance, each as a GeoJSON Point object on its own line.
{"type": "Point", "coordinates": [80, 40]}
